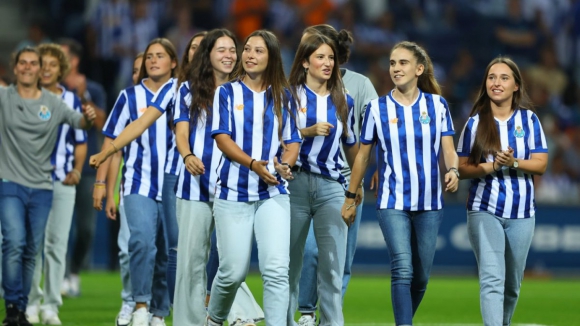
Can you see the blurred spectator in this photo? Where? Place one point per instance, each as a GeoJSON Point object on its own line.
{"type": "Point", "coordinates": [184, 29]}
{"type": "Point", "coordinates": [461, 78]}
{"type": "Point", "coordinates": [548, 73]}
{"type": "Point", "coordinates": [517, 36]}
{"type": "Point", "coordinates": [314, 12]}
{"type": "Point", "coordinates": [557, 185]}
{"type": "Point", "coordinates": [248, 16]}
{"type": "Point", "coordinates": [109, 28]}
{"type": "Point", "coordinates": [37, 34]}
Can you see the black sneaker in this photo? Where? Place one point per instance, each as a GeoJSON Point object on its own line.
{"type": "Point", "coordinates": [23, 320]}
{"type": "Point", "coordinates": [11, 316]}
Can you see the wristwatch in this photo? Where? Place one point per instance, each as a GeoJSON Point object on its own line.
{"type": "Point", "coordinates": [350, 195]}
{"type": "Point", "coordinates": [455, 171]}
{"type": "Point", "coordinates": [516, 164]}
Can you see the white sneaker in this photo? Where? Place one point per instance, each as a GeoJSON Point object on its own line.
{"type": "Point", "coordinates": [49, 317]}
{"type": "Point", "coordinates": [157, 321]}
{"type": "Point", "coordinates": [74, 289]}
{"type": "Point", "coordinates": [140, 317]}
{"type": "Point", "coordinates": [245, 322]}
{"type": "Point", "coordinates": [32, 314]}
{"type": "Point", "coordinates": [65, 287]}
{"type": "Point", "coordinates": [307, 320]}
{"type": "Point", "coordinates": [124, 316]}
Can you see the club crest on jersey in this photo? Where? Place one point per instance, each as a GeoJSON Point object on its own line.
{"type": "Point", "coordinates": [394, 120]}
{"type": "Point", "coordinates": [519, 132]}
{"type": "Point", "coordinates": [239, 107]}
{"type": "Point", "coordinates": [44, 113]}
{"type": "Point", "coordinates": [303, 110]}
{"type": "Point", "coordinates": [424, 118]}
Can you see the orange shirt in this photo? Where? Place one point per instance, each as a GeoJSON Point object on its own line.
{"type": "Point", "coordinates": [248, 16]}
{"type": "Point", "coordinates": [318, 13]}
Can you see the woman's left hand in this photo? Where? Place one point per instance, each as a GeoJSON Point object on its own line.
{"type": "Point", "coordinates": [283, 170]}
{"type": "Point", "coordinates": [451, 181]}
{"type": "Point", "coordinates": [89, 113]}
{"type": "Point", "coordinates": [348, 211]}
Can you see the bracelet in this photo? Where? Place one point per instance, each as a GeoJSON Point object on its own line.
{"type": "Point", "coordinates": [362, 183]}
{"type": "Point", "coordinates": [349, 194]}
{"type": "Point", "coordinates": [253, 160]}
{"type": "Point", "coordinates": [100, 182]}
{"type": "Point", "coordinates": [493, 166]}
{"type": "Point", "coordinates": [77, 173]}
{"type": "Point", "coordinates": [350, 206]}
{"type": "Point", "coordinates": [286, 164]}
{"type": "Point", "coordinates": [115, 147]}
{"type": "Point", "coordinates": [99, 185]}
{"type": "Point", "coordinates": [186, 156]}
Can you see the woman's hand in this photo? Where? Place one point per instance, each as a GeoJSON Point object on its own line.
{"type": "Point", "coordinates": [319, 129]}
{"type": "Point", "coordinates": [283, 170]}
{"type": "Point", "coordinates": [111, 209]}
{"type": "Point", "coordinates": [451, 181]}
{"type": "Point", "coordinates": [348, 211]}
{"type": "Point", "coordinates": [194, 165]}
{"type": "Point", "coordinates": [261, 169]}
{"type": "Point", "coordinates": [96, 160]}
{"type": "Point", "coordinates": [375, 183]}
{"type": "Point", "coordinates": [505, 158]}
{"type": "Point", "coordinates": [89, 113]}
{"type": "Point", "coordinates": [99, 193]}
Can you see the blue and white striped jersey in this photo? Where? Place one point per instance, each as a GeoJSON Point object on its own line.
{"type": "Point", "coordinates": [248, 117]}
{"type": "Point", "coordinates": [166, 105]}
{"type": "Point", "coordinates": [508, 193]}
{"type": "Point", "coordinates": [409, 140]}
{"type": "Point", "coordinates": [62, 158]}
{"type": "Point", "coordinates": [145, 156]}
{"type": "Point", "coordinates": [202, 145]}
{"type": "Point", "coordinates": [321, 154]}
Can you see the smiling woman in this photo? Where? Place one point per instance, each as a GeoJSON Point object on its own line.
{"type": "Point", "coordinates": [29, 123]}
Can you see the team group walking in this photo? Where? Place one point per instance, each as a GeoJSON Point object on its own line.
{"type": "Point", "coordinates": [220, 148]}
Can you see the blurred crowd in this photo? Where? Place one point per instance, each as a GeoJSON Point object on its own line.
{"type": "Point", "coordinates": [461, 36]}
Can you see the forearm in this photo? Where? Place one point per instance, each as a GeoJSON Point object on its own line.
{"type": "Point", "coordinates": [232, 150]}
{"type": "Point", "coordinates": [359, 167]}
{"type": "Point", "coordinates": [104, 167]}
{"type": "Point", "coordinates": [470, 171]}
{"type": "Point", "coordinates": [308, 131]}
{"type": "Point", "coordinates": [80, 156]}
{"type": "Point", "coordinates": [181, 138]}
{"type": "Point", "coordinates": [85, 124]}
{"type": "Point", "coordinates": [535, 165]}
{"type": "Point", "coordinates": [113, 173]}
{"type": "Point", "coordinates": [290, 154]}
{"type": "Point", "coordinates": [351, 153]}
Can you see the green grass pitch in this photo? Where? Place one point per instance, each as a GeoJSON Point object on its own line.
{"type": "Point", "coordinates": [449, 301]}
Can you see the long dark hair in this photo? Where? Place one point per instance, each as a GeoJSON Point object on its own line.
{"type": "Point", "coordinates": [169, 48]}
{"type": "Point", "coordinates": [342, 39]}
{"type": "Point", "coordinates": [200, 74]}
{"type": "Point", "coordinates": [427, 82]}
{"type": "Point", "coordinates": [273, 76]}
{"type": "Point", "coordinates": [487, 139]}
{"type": "Point", "coordinates": [184, 66]}
{"type": "Point", "coordinates": [334, 84]}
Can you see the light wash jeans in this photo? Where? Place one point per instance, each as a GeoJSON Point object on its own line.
{"type": "Point", "coordinates": [171, 230]}
{"type": "Point", "coordinates": [23, 215]}
{"type": "Point", "coordinates": [236, 224]}
{"type": "Point", "coordinates": [501, 248]}
{"type": "Point", "coordinates": [411, 238]}
{"type": "Point", "coordinates": [195, 220]}
{"type": "Point", "coordinates": [318, 199]}
{"type": "Point", "coordinates": [123, 243]}
{"type": "Point", "coordinates": [147, 253]}
{"type": "Point", "coordinates": [308, 294]}
{"type": "Point", "coordinates": [55, 247]}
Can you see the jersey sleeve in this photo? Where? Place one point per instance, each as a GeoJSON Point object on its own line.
{"type": "Point", "coordinates": [182, 103]}
{"type": "Point", "coordinates": [368, 129]}
{"type": "Point", "coordinates": [119, 117]}
{"type": "Point", "coordinates": [290, 133]}
{"type": "Point", "coordinates": [221, 123]}
{"type": "Point", "coordinates": [467, 138]}
{"type": "Point", "coordinates": [537, 140]}
{"type": "Point", "coordinates": [446, 121]}
{"type": "Point", "coordinates": [164, 97]}
{"type": "Point", "coordinates": [350, 138]}
{"type": "Point", "coordinates": [80, 135]}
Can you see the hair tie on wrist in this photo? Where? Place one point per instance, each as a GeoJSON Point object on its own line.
{"type": "Point", "coordinates": [493, 166]}
{"type": "Point", "coordinates": [186, 156]}
{"type": "Point", "coordinates": [253, 160]}
{"type": "Point", "coordinates": [115, 147]}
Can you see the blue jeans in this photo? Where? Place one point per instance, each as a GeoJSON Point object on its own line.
{"type": "Point", "coordinates": [501, 247]}
{"type": "Point", "coordinates": [269, 221]}
{"type": "Point", "coordinates": [171, 229]}
{"type": "Point", "coordinates": [23, 216]}
{"type": "Point", "coordinates": [411, 237]}
{"type": "Point", "coordinates": [123, 243]}
{"type": "Point", "coordinates": [317, 200]}
{"type": "Point", "coordinates": [147, 252]}
{"type": "Point", "coordinates": [308, 294]}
